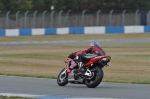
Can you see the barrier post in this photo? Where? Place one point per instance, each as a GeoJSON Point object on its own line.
{"type": "Point", "coordinates": [83, 17]}
{"type": "Point", "coordinates": [97, 17]}
{"type": "Point", "coordinates": [67, 15]}
{"type": "Point", "coordinates": [25, 19]}
{"type": "Point", "coordinates": [43, 18]}
{"type": "Point", "coordinates": [34, 22]}
{"type": "Point", "coordinates": [136, 17]}
{"type": "Point", "coordinates": [110, 17]}
{"type": "Point", "coordinates": [52, 18]}
{"type": "Point", "coordinates": [17, 19]}
{"type": "Point", "coordinates": [123, 16]}
{"type": "Point", "coordinates": [7, 16]}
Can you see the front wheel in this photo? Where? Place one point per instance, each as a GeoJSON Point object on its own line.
{"type": "Point", "coordinates": [96, 79]}
{"type": "Point", "coordinates": [62, 78]}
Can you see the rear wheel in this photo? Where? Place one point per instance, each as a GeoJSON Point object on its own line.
{"type": "Point", "coordinates": [96, 79]}
{"type": "Point", "coordinates": [62, 78]}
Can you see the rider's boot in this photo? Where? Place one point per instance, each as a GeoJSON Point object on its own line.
{"type": "Point", "coordinates": [81, 67]}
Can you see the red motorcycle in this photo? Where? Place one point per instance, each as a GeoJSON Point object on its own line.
{"type": "Point", "coordinates": [93, 75]}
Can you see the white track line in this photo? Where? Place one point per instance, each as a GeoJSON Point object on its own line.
{"type": "Point", "coordinates": [49, 96]}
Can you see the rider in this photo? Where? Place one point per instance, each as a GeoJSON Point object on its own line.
{"type": "Point", "coordinates": [94, 48]}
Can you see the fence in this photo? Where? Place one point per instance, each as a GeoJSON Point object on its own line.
{"type": "Point", "coordinates": [53, 19]}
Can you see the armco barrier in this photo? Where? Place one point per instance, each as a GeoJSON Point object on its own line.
{"type": "Point", "coordinates": [114, 29]}
{"type": "Point", "coordinates": [147, 29]}
{"type": "Point", "coordinates": [76, 30]}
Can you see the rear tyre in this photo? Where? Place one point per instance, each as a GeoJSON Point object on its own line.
{"type": "Point", "coordinates": [62, 78]}
{"type": "Point", "coordinates": [97, 78]}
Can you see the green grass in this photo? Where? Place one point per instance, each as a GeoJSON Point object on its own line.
{"type": "Point", "coordinates": [129, 63]}
{"type": "Point", "coordinates": [28, 75]}
{"type": "Point", "coordinates": [15, 97]}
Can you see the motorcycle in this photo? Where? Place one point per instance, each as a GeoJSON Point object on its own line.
{"type": "Point", "coordinates": [92, 76]}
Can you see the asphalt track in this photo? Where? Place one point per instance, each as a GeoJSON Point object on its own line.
{"type": "Point", "coordinates": [71, 42]}
{"type": "Point", "coordinates": [48, 88]}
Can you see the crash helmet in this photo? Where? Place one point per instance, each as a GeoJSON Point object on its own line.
{"type": "Point", "coordinates": [94, 43]}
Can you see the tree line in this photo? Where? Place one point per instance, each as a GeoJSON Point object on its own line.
{"type": "Point", "coordinates": [74, 5]}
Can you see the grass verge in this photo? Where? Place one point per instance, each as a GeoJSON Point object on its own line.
{"type": "Point", "coordinates": [15, 97]}
{"type": "Point", "coordinates": [129, 63]}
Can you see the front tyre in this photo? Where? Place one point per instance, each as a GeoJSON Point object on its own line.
{"type": "Point", "coordinates": [62, 78]}
{"type": "Point", "coordinates": [96, 79]}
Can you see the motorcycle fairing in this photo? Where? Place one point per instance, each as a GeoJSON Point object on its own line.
{"type": "Point", "coordinates": [93, 60]}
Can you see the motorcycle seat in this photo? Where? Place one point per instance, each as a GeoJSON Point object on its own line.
{"type": "Point", "coordinates": [88, 56]}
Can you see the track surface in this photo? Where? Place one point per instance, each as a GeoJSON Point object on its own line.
{"type": "Point", "coordinates": [84, 42]}
{"type": "Point", "coordinates": [49, 87]}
